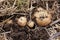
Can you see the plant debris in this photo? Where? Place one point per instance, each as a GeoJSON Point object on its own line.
{"type": "Point", "coordinates": [29, 19]}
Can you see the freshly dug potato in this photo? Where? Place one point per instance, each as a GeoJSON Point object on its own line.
{"type": "Point", "coordinates": [43, 18]}
{"type": "Point", "coordinates": [22, 21]}
{"type": "Point", "coordinates": [30, 24]}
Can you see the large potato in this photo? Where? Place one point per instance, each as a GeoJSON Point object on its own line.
{"type": "Point", "coordinates": [43, 18]}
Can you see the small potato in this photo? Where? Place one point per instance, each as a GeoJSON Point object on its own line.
{"type": "Point", "coordinates": [22, 21]}
{"type": "Point", "coordinates": [30, 24]}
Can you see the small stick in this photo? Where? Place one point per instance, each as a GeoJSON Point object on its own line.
{"type": "Point", "coordinates": [55, 22]}
{"type": "Point", "coordinates": [5, 37]}
{"type": "Point", "coordinates": [46, 5]}
{"type": "Point", "coordinates": [47, 31]}
{"type": "Point", "coordinates": [6, 32]}
{"type": "Point", "coordinates": [2, 23]}
{"type": "Point", "coordinates": [14, 3]}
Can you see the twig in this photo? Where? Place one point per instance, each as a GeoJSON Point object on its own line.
{"type": "Point", "coordinates": [31, 9]}
{"type": "Point", "coordinates": [8, 3]}
{"type": "Point", "coordinates": [14, 3]}
{"type": "Point", "coordinates": [54, 36]}
{"type": "Point", "coordinates": [55, 22]}
{"type": "Point", "coordinates": [5, 37]}
{"type": "Point", "coordinates": [47, 5]}
{"type": "Point", "coordinates": [6, 32]}
{"type": "Point", "coordinates": [47, 31]}
{"type": "Point", "coordinates": [10, 9]}
{"type": "Point", "coordinates": [20, 13]}
{"type": "Point", "coordinates": [2, 23]}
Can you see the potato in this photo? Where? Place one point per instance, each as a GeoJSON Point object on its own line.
{"type": "Point", "coordinates": [43, 17]}
{"type": "Point", "coordinates": [22, 21]}
{"type": "Point", "coordinates": [30, 23]}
